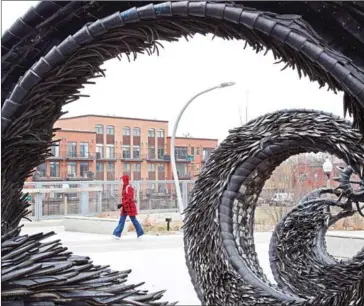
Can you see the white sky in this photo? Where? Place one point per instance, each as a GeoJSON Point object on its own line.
{"type": "Point", "coordinates": [157, 87]}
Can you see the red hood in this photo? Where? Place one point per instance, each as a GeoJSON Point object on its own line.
{"type": "Point", "coordinates": [125, 179]}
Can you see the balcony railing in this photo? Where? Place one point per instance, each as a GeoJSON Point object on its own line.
{"type": "Point", "coordinates": [126, 156]}
{"type": "Point", "coordinates": [183, 158]}
{"type": "Point", "coordinates": [110, 156]}
{"type": "Point", "coordinates": [135, 157]}
{"type": "Point", "coordinates": [72, 155]}
{"type": "Point", "coordinates": [163, 158]}
{"type": "Point", "coordinates": [56, 157]}
{"type": "Point", "coordinates": [185, 176]}
{"type": "Point", "coordinates": [81, 155]}
{"type": "Point", "coordinates": [45, 178]}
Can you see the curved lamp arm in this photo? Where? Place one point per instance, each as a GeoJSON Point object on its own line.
{"type": "Point", "coordinates": [173, 160]}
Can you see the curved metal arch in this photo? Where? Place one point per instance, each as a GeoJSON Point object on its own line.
{"type": "Point", "coordinates": [39, 92]}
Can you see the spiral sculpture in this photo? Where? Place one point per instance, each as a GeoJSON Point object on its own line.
{"type": "Point", "coordinates": [57, 47]}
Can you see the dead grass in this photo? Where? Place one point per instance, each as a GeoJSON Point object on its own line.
{"type": "Point", "coordinates": [354, 223]}
{"type": "Point", "coordinates": [151, 225]}
{"type": "Point", "coordinates": [266, 218]}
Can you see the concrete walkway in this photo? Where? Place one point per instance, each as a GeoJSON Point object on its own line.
{"type": "Point", "coordinates": [157, 260]}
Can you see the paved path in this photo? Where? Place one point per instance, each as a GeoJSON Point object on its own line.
{"type": "Point", "coordinates": [157, 260]}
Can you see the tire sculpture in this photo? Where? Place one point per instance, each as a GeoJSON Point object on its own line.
{"type": "Point", "coordinates": [56, 47]}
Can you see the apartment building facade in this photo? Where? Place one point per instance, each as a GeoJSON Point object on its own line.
{"type": "Point", "coordinates": [191, 154]}
{"type": "Point", "coordinates": [106, 147]}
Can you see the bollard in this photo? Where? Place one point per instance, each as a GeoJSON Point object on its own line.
{"type": "Point", "coordinates": [65, 205]}
{"type": "Point", "coordinates": [168, 220]}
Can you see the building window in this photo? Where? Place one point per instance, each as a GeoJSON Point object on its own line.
{"type": "Point", "coordinates": [151, 167]}
{"type": "Point", "coordinates": [181, 170]}
{"type": "Point", "coordinates": [126, 168]}
{"type": "Point", "coordinates": [160, 153]}
{"type": "Point", "coordinates": [54, 169]}
{"type": "Point", "coordinates": [161, 168]}
{"type": "Point", "coordinates": [126, 152]}
{"type": "Point", "coordinates": [160, 133]}
{"type": "Point", "coordinates": [151, 133]}
{"type": "Point", "coordinates": [42, 170]}
{"type": "Point", "coordinates": [197, 151]}
{"type": "Point", "coordinates": [99, 151]}
{"type": "Point", "coordinates": [71, 169]}
{"type": "Point", "coordinates": [99, 129]}
{"type": "Point", "coordinates": [110, 130]}
{"type": "Point", "coordinates": [151, 152]}
{"type": "Point", "coordinates": [136, 131]}
{"type": "Point", "coordinates": [84, 169]}
{"type": "Point", "coordinates": [136, 152]}
{"type": "Point", "coordinates": [110, 151]}
{"type": "Point", "coordinates": [71, 149]}
{"type": "Point", "coordinates": [137, 167]}
{"type": "Point", "coordinates": [99, 167]}
{"type": "Point", "coordinates": [84, 149]}
{"type": "Point", "coordinates": [192, 151]}
{"type": "Point", "coordinates": [181, 152]}
{"type": "Point", "coordinates": [55, 150]}
{"type": "Point", "coordinates": [126, 131]}
{"type": "Point", "coordinates": [206, 152]}
{"type": "Point", "coordinates": [110, 168]}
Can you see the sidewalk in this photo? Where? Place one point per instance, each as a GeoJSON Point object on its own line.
{"type": "Point", "coordinates": [158, 260]}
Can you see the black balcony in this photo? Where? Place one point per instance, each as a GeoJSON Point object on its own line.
{"type": "Point", "coordinates": [126, 156]}
{"type": "Point", "coordinates": [182, 158]}
{"type": "Point", "coordinates": [108, 157]}
{"type": "Point", "coordinates": [79, 156]}
{"type": "Point", "coordinates": [155, 158]}
{"type": "Point", "coordinates": [134, 157]}
{"type": "Point", "coordinates": [56, 157]}
{"type": "Point", "coordinates": [46, 179]}
{"type": "Point", "coordinates": [184, 176]}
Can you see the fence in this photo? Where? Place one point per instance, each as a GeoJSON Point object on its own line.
{"type": "Point", "coordinates": [88, 198]}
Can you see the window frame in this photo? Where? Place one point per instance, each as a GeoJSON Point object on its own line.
{"type": "Point", "coordinates": [97, 126]}
{"type": "Point", "coordinates": [136, 129]}
{"type": "Point", "coordinates": [140, 167]}
{"type": "Point", "coordinates": [108, 128]}
{"type": "Point", "coordinates": [59, 168]}
{"type": "Point", "coordinates": [126, 128]}
{"type": "Point", "coordinates": [152, 166]}
{"type": "Point", "coordinates": [124, 167]}
{"type": "Point", "coordinates": [149, 134]}
{"type": "Point", "coordinates": [162, 133]}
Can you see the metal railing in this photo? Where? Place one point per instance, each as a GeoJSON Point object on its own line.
{"type": "Point", "coordinates": [55, 199]}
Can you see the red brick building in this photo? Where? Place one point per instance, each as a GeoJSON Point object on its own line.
{"type": "Point", "coordinates": [106, 147]}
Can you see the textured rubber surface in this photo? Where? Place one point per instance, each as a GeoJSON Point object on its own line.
{"type": "Point", "coordinates": [57, 47]}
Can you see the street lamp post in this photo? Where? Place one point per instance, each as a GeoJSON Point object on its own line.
{"type": "Point", "coordinates": [327, 167]}
{"type": "Point", "coordinates": [173, 160]}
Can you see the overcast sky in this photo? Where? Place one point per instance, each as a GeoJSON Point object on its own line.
{"type": "Point", "coordinates": [156, 87]}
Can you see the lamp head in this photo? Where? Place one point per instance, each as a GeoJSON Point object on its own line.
{"type": "Point", "coordinates": [226, 84]}
{"type": "Point", "coordinates": [327, 166]}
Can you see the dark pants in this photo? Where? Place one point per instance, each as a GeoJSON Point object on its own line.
{"type": "Point", "coordinates": [138, 228]}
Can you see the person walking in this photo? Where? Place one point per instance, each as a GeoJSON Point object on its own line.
{"type": "Point", "coordinates": [128, 208]}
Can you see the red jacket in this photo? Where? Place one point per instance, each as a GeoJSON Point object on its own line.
{"type": "Point", "coordinates": [127, 196]}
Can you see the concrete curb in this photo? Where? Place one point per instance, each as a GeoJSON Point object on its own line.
{"type": "Point", "coordinates": [340, 244]}
{"type": "Point", "coordinates": [43, 223]}
{"type": "Point", "coordinates": [344, 246]}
